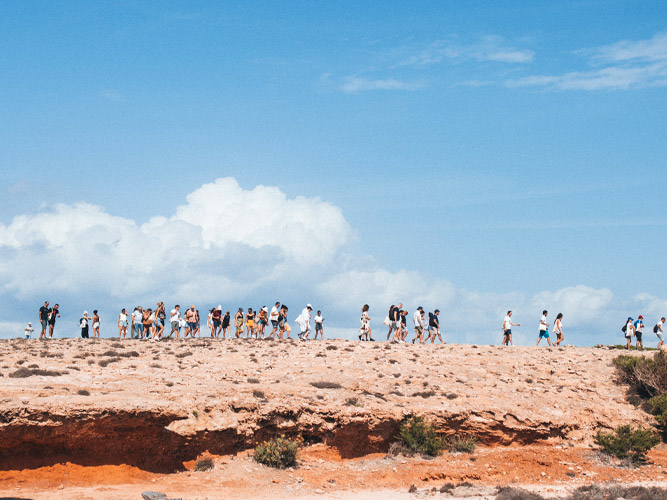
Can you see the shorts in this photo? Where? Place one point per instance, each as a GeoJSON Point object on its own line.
{"type": "Point", "coordinates": [45, 324]}
{"type": "Point", "coordinates": [250, 323]}
{"type": "Point", "coordinates": [175, 325]}
{"type": "Point", "coordinates": [274, 323]}
{"type": "Point", "coordinates": [192, 325]}
{"type": "Point", "coordinates": [318, 327]}
{"type": "Point", "coordinates": [393, 326]}
{"type": "Point", "coordinates": [659, 334]}
{"type": "Point", "coordinates": [544, 333]}
{"type": "Point", "coordinates": [123, 324]}
{"type": "Point", "coordinates": [507, 333]}
{"type": "Point", "coordinates": [217, 323]}
{"type": "Point", "coordinates": [639, 336]}
{"type": "Point", "coordinates": [96, 325]}
{"type": "Point", "coordinates": [419, 330]}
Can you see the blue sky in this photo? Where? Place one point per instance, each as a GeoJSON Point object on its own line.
{"type": "Point", "coordinates": [471, 156]}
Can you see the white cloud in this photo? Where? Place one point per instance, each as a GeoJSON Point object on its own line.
{"type": "Point", "coordinates": [354, 84]}
{"type": "Point", "coordinates": [627, 65]}
{"type": "Point", "coordinates": [224, 239]}
{"type": "Point", "coordinates": [581, 305]}
{"type": "Point", "coordinates": [490, 48]}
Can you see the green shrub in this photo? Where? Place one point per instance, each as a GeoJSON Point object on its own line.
{"type": "Point", "coordinates": [462, 443]}
{"type": "Point", "coordinates": [204, 464]}
{"type": "Point", "coordinates": [511, 493]}
{"type": "Point", "coordinates": [626, 442]}
{"type": "Point", "coordinates": [279, 452]}
{"type": "Point", "coordinates": [658, 406]}
{"type": "Point", "coordinates": [419, 436]}
{"type": "Point", "coordinates": [646, 375]}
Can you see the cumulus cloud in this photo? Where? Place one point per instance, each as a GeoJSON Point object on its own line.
{"type": "Point", "coordinates": [582, 304]}
{"type": "Point", "coordinates": [213, 242]}
{"type": "Point", "coordinates": [619, 66]}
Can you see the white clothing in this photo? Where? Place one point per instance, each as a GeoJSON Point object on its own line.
{"type": "Point", "coordinates": [319, 319]}
{"type": "Point", "coordinates": [507, 323]}
{"type": "Point", "coordinates": [558, 326]}
{"type": "Point", "coordinates": [365, 321]}
{"type": "Point", "coordinates": [28, 331]}
{"type": "Point", "coordinates": [274, 314]}
{"type": "Point", "coordinates": [175, 315]}
{"type": "Point", "coordinates": [417, 318]}
{"type": "Point", "coordinates": [305, 320]}
{"type": "Point", "coordinates": [544, 326]}
{"type": "Point", "coordinates": [138, 317]}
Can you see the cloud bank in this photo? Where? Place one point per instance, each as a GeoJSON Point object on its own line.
{"type": "Point", "coordinates": [250, 246]}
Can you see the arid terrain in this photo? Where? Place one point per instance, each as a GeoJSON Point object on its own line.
{"type": "Point", "coordinates": [103, 419]}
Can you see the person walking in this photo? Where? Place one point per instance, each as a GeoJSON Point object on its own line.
{"type": "Point", "coordinates": [304, 322]}
{"type": "Point", "coordinates": [657, 329]}
{"type": "Point", "coordinates": [55, 312]}
{"type": "Point", "coordinates": [507, 329]}
{"type": "Point", "coordinates": [418, 324]}
{"type": "Point", "coordinates": [319, 328]}
{"type": "Point", "coordinates": [238, 322]}
{"type": "Point", "coordinates": [434, 326]}
{"type": "Point", "coordinates": [122, 324]}
{"type": "Point", "coordinates": [138, 322]}
{"type": "Point", "coordinates": [283, 324]}
{"type": "Point", "coordinates": [628, 330]}
{"type": "Point", "coordinates": [558, 329]}
{"type": "Point", "coordinates": [365, 328]}
{"type": "Point", "coordinates": [544, 329]}
{"type": "Point", "coordinates": [43, 316]}
{"type": "Point", "coordinates": [639, 331]}
{"type": "Point", "coordinates": [175, 321]}
{"type": "Point", "coordinates": [83, 322]}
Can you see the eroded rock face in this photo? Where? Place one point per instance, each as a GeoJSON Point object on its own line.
{"type": "Point", "coordinates": [165, 406]}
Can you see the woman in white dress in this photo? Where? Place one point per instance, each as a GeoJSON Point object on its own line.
{"type": "Point", "coordinates": [365, 330]}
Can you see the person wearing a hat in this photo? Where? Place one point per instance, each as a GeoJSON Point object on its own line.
{"type": "Point", "coordinates": [83, 322]}
{"type": "Point", "coordinates": [629, 331]}
{"type": "Point", "coordinates": [305, 322]}
{"type": "Point", "coordinates": [191, 322]}
{"type": "Point", "coordinates": [639, 330]}
{"type": "Point", "coordinates": [28, 330]}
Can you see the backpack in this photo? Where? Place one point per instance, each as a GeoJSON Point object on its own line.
{"type": "Point", "coordinates": [625, 328]}
{"type": "Point", "coordinates": [655, 329]}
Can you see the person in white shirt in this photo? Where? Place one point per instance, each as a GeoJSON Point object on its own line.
{"type": "Point", "coordinates": [657, 329]}
{"type": "Point", "coordinates": [304, 322]}
{"type": "Point", "coordinates": [417, 320]}
{"type": "Point", "coordinates": [273, 317]}
{"type": "Point", "coordinates": [507, 329]}
{"type": "Point", "coordinates": [629, 331]}
{"type": "Point", "coordinates": [175, 321]}
{"type": "Point", "coordinates": [318, 325]}
{"type": "Point", "coordinates": [544, 329]}
{"type": "Point", "coordinates": [28, 330]}
{"type": "Point", "coordinates": [138, 323]}
{"type": "Point", "coordinates": [558, 329]}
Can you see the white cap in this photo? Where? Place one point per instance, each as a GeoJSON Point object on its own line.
{"type": "Point", "coordinates": [309, 306]}
{"type": "Point", "coordinates": [219, 307]}
{"type": "Point", "coordinates": [29, 323]}
{"type": "Point", "coordinates": [85, 313]}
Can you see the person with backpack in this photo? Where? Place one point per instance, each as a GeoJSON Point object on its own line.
{"type": "Point", "coordinates": [639, 330]}
{"type": "Point", "coordinates": [628, 329]}
{"type": "Point", "coordinates": [657, 329]}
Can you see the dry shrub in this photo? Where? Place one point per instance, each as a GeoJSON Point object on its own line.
{"type": "Point", "coordinates": [83, 392]}
{"type": "Point", "coordinates": [253, 380]}
{"type": "Point", "coordinates": [107, 361]}
{"type": "Point", "coordinates": [326, 385]}
{"type": "Point", "coordinates": [511, 493]}
{"type": "Point", "coordinates": [647, 376]}
{"type": "Point", "coordinates": [29, 372]}
{"type": "Point", "coordinates": [204, 464]}
{"type": "Point", "coordinates": [280, 452]}
{"type": "Point", "coordinates": [613, 492]}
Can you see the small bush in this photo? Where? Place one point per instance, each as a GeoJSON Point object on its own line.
{"type": "Point", "coordinates": [646, 375]}
{"type": "Point", "coordinates": [253, 381]}
{"type": "Point", "coordinates": [280, 452]}
{"type": "Point", "coordinates": [424, 394]}
{"type": "Point", "coordinates": [451, 395]}
{"type": "Point", "coordinates": [626, 442]}
{"type": "Point", "coordinates": [462, 443]}
{"type": "Point", "coordinates": [83, 392]}
{"type": "Point", "coordinates": [326, 385]}
{"type": "Point", "coordinates": [613, 492]}
{"type": "Point", "coordinates": [183, 354]}
{"type": "Point", "coordinates": [29, 372]}
{"type": "Point", "coordinates": [658, 406]}
{"type": "Point", "coordinates": [419, 436]}
{"type": "Point", "coordinates": [204, 464]}
{"type": "Point", "coordinates": [352, 402]}
{"type": "Point", "coordinates": [331, 348]}
{"type": "Point", "coordinates": [107, 361]}
{"type": "Point", "coordinates": [511, 493]}
{"type": "Point", "coordinates": [258, 394]}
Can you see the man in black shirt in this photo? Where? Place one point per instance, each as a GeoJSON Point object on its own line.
{"type": "Point", "coordinates": [52, 319]}
{"type": "Point", "coordinates": [44, 318]}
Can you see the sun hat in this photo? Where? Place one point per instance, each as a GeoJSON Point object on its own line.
{"type": "Point", "coordinates": [309, 306]}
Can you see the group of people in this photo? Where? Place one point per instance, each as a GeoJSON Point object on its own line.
{"type": "Point", "coordinates": [47, 318]}
{"type": "Point", "coordinates": [543, 329]}
{"type": "Point", "coordinates": [150, 324]}
{"type": "Point", "coordinates": [633, 328]}
{"type": "Point", "coordinates": [396, 321]}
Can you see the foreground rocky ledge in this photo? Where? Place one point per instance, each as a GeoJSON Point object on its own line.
{"type": "Point", "coordinates": [157, 405]}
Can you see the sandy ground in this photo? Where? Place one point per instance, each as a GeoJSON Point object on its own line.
{"type": "Point", "coordinates": [534, 410]}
